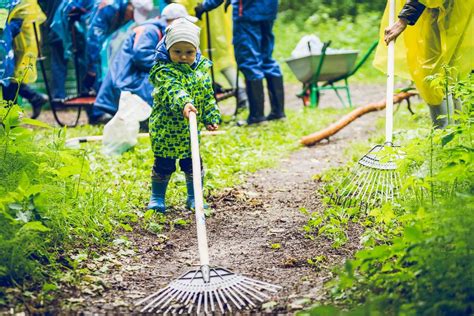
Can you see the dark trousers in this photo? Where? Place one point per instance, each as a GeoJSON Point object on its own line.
{"type": "Point", "coordinates": [164, 167]}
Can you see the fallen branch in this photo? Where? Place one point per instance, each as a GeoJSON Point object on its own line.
{"type": "Point", "coordinates": [344, 121]}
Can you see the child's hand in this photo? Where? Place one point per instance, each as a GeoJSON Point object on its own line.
{"type": "Point", "coordinates": [189, 108]}
{"type": "Point", "coordinates": [212, 127]}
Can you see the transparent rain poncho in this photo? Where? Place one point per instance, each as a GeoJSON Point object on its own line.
{"type": "Point", "coordinates": [443, 35]}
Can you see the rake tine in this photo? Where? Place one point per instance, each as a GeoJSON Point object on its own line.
{"type": "Point", "coordinates": [355, 178]}
{"type": "Point", "coordinates": [242, 295]}
{"type": "Point", "coordinates": [192, 304]}
{"type": "Point", "coordinates": [149, 305]}
{"type": "Point", "coordinates": [390, 186]}
{"type": "Point", "coordinates": [373, 189]}
{"type": "Point", "coordinates": [173, 296]}
{"type": "Point", "coordinates": [362, 181]}
{"type": "Point", "coordinates": [357, 185]}
{"type": "Point", "coordinates": [211, 300]}
{"type": "Point", "coordinates": [140, 302]}
{"type": "Point", "coordinates": [224, 299]}
{"type": "Point", "coordinates": [231, 298]}
{"type": "Point", "coordinates": [262, 284]}
{"type": "Point", "coordinates": [252, 289]}
{"type": "Point", "coordinates": [206, 297]}
{"type": "Point", "coordinates": [367, 184]}
{"type": "Point", "coordinates": [163, 299]}
{"type": "Point", "coordinates": [199, 302]}
{"type": "Point", "coordinates": [256, 290]}
{"type": "Point", "coordinates": [381, 190]}
{"type": "Point", "coordinates": [231, 291]}
{"type": "Point", "coordinates": [246, 290]}
{"type": "Point", "coordinates": [189, 297]}
{"type": "Point", "coordinates": [216, 294]}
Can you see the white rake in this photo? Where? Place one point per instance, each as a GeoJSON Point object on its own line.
{"type": "Point", "coordinates": [376, 179]}
{"type": "Point", "coordinates": [207, 289]}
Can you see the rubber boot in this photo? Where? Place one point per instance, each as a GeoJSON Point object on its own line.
{"type": "Point", "coordinates": [158, 192]}
{"type": "Point", "coordinates": [256, 101]}
{"type": "Point", "coordinates": [190, 200]}
{"type": "Point", "coordinates": [442, 109]}
{"type": "Point", "coordinates": [276, 92]}
{"type": "Point", "coordinates": [230, 73]}
{"type": "Point", "coordinates": [36, 99]}
{"type": "Point", "coordinates": [242, 100]}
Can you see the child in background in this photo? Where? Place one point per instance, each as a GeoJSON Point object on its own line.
{"type": "Point", "coordinates": [182, 84]}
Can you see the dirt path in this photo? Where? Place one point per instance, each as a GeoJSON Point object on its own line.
{"type": "Point", "coordinates": [247, 220]}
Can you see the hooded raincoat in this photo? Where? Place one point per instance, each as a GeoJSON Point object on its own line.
{"type": "Point", "coordinates": [24, 44]}
{"type": "Point", "coordinates": [443, 35]}
{"type": "Point", "coordinates": [108, 16]}
{"type": "Point", "coordinates": [131, 66]}
{"type": "Point", "coordinates": [175, 85]}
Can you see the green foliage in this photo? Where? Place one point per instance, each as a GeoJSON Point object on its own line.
{"type": "Point", "coordinates": [418, 256]}
{"type": "Point", "coordinates": [305, 9]}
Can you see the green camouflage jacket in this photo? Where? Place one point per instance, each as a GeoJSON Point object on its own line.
{"type": "Point", "coordinates": [175, 85]}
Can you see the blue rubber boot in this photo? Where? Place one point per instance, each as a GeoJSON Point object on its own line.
{"type": "Point", "coordinates": [190, 201]}
{"type": "Point", "coordinates": [158, 192]}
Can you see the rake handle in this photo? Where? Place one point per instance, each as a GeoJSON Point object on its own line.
{"type": "Point", "coordinates": [390, 79]}
{"type": "Point", "coordinates": [197, 185]}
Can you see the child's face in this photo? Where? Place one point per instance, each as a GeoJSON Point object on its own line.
{"type": "Point", "coordinates": [183, 53]}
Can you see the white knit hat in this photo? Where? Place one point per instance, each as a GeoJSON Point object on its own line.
{"type": "Point", "coordinates": [141, 9]}
{"type": "Point", "coordinates": [182, 30]}
{"type": "Point", "coordinates": [174, 11]}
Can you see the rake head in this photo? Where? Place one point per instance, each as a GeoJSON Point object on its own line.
{"type": "Point", "coordinates": [223, 291]}
{"type": "Point", "coordinates": [373, 181]}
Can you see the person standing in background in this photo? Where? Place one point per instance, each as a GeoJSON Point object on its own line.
{"type": "Point", "coordinates": [253, 41]}
{"type": "Point", "coordinates": [431, 34]}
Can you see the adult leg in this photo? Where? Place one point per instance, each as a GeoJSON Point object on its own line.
{"type": "Point", "coordinates": [106, 103]}
{"type": "Point", "coordinates": [272, 73]}
{"type": "Point", "coordinates": [59, 71]}
{"type": "Point", "coordinates": [230, 73]}
{"type": "Point", "coordinates": [36, 99]}
{"type": "Point", "coordinates": [247, 46]}
{"type": "Point", "coordinates": [163, 168]}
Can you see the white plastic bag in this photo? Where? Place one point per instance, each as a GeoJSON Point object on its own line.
{"type": "Point", "coordinates": [308, 45]}
{"type": "Point", "coordinates": [121, 132]}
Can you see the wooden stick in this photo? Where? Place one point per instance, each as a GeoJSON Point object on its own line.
{"type": "Point", "coordinates": [97, 138]}
{"type": "Point", "coordinates": [345, 120]}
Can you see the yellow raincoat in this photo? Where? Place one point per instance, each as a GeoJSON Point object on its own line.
{"type": "Point", "coordinates": [443, 35]}
{"type": "Point", "coordinates": [221, 36]}
{"type": "Point", "coordinates": [24, 44]}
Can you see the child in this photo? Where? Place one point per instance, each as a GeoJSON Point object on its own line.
{"type": "Point", "coordinates": [182, 84]}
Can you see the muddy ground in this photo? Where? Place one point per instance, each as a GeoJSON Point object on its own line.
{"type": "Point", "coordinates": [246, 221]}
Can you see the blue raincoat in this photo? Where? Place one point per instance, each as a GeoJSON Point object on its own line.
{"type": "Point", "coordinates": [60, 29]}
{"type": "Point", "coordinates": [253, 37]}
{"type": "Point", "coordinates": [131, 66]}
{"type": "Point", "coordinates": [7, 32]}
{"type": "Point", "coordinates": [109, 15]}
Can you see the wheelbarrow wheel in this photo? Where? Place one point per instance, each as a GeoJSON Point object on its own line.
{"type": "Point", "coordinates": [307, 99]}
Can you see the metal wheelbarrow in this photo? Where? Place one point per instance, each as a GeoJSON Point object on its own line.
{"type": "Point", "coordinates": [326, 67]}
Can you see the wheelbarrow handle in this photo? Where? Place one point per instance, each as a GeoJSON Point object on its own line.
{"type": "Point", "coordinates": [198, 196]}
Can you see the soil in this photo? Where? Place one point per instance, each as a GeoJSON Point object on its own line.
{"type": "Point", "coordinates": [246, 221]}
